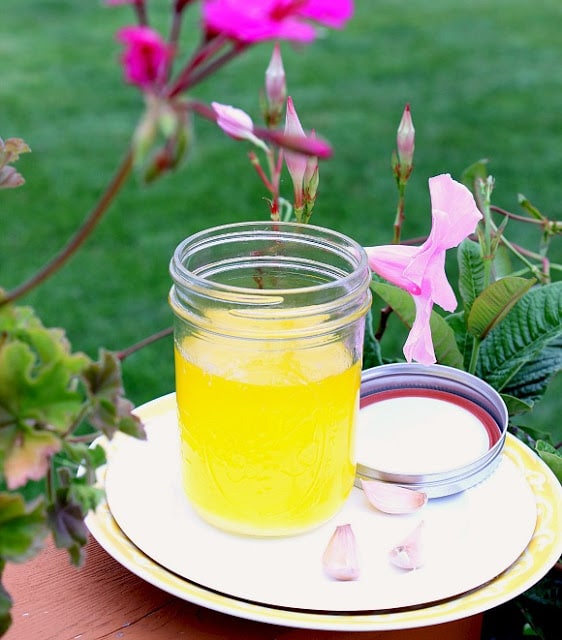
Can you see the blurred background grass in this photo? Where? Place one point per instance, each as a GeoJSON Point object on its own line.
{"type": "Point", "coordinates": [483, 80]}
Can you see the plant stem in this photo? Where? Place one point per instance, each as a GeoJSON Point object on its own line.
{"type": "Point", "coordinates": [474, 355]}
{"type": "Point", "coordinates": [144, 343]}
{"type": "Point", "coordinates": [80, 236]}
{"type": "Point", "coordinates": [399, 212]}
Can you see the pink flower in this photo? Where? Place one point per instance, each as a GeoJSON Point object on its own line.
{"type": "Point", "coordinates": [421, 270]}
{"type": "Point", "coordinates": [115, 2]}
{"type": "Point", "coordinates": [145, 57]}
{"type": "Point", "coordinates": [236, 123]}
{"type": "Point", "coordinates": [256, 20]}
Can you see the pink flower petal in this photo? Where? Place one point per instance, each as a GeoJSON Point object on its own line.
{"type": "Point", "coordinates": [390, 262]}
{"type": "Point", "coordinates": [257, 20]}
{"type": "Point", "coordinates": [145, 57]}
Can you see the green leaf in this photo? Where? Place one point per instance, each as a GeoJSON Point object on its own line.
{"type": "Point", "coordinates": [66, 521]}
{"type": "Point", "coordinates": [533, 324]}
{"type": "Point", "coordinates": [5, 605]}
{"type": "Point", "coordinates": [465, 342]}
{"type": "Point", "coordinates": [494, 303]}
{"type": "Point", "coordinates": [477, 170]}
{"type": "Point", "coordinates": [110, 412]}
{"type": "Point", "coordinates": [551, 456]}
{"type": "Point", "coordinates": [444, 343]}
{"type": "Point", "coordinates": [372, 356]}
{"type": "Point", "coordinates": [531, 381]}
{"type": "Point", "coordinates": [472, 272]}
{"type": "Point", "coordinates": [22, 527]}
{"type": "Point", "coordinates": [38, 372]}
{"type": "Point", "coordinates": [516, 406]}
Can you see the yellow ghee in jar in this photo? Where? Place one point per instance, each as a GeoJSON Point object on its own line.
{"type": "Point", "coordinates": [267, 435]}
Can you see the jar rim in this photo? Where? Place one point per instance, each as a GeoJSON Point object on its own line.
{"type": "Point", "coordinates": [354, 253]}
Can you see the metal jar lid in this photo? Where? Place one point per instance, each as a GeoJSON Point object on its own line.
{"type": "Point", "coordinates": [432, 428]}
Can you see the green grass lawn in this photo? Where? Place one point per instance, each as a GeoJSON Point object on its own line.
{"type": "Point", "coordinates": [482, 78]}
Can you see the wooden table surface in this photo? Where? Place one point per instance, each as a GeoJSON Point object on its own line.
{"type": "Point", "coordinates": [104, 601]}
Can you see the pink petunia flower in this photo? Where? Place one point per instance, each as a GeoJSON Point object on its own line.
{"type": "Point", "coordinates": [421, 270]}
{"type": "Point", "coordinates": [145, 57]}
{"type": "Point", "coordinates": [257, 20]}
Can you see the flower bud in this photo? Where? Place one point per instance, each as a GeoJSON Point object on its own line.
{"type": "Point", "coordinates": [405, 143]}
{"type": "Point", "coordinates": [275, 88]}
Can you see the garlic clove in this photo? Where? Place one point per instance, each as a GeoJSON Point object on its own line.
{"type": "Point", "coordinates": [340, 558]}
{"type": "Point", "coordinates": [409, 554]}
{"type": "Point", "coordinates": [392, 498]}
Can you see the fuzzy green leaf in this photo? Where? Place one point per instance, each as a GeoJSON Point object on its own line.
{"type": "Point", "coordinates": [66, 521]}
{"type": "Point", "coordinates": [551, 456]}
{"type": "Point", "coordinates": [37, 372]}
{"type": "Point", "coordinates": [533, 325]}
{"type": "Point", "coordinates": [531, 381]}
{"type": "Point", "coordinates": [110, 411]}
{"type": "Point", "coordinates": [516, 406]}
{"type": "Point", "coordinates": [5, 605]}
{"type": "Point", "coordinates": [444, 343]}
{"type": "Point", "coordinates": [494, 303]}
{"type": "Point", "coordinates": [472, 272]}
{"type": "Point", "coordinates": [22, 527]}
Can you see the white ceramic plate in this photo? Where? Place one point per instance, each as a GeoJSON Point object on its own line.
{"type": "Point", "coordinates": [544, 548]}
{"type": "Point", "coordinates": [470, 538]}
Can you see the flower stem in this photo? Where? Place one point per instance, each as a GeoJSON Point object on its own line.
{"type": "Point", "coordinates": [399, 213]}
{"type": "Point", "coordinates": [144, 343]}
{"type": "Point", "coordinates": [79, 237]}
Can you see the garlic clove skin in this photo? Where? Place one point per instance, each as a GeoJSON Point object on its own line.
{"type": "Point", "coordinates": [409, 554]}
{"type": "Point", "coordinates": [340, 558]}
{"type": "Point", "coordinates": [392, 498]}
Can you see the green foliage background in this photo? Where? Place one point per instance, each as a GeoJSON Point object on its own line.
{"type": "Point", "coordinates": [482, 79]}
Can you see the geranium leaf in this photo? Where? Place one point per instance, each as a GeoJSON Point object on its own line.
{"type": "Point", "coordinates": [22, 527]}
{"type": "Point", "coordinates": [494, 303]}
{"type": "Point", "coordinates": [534, 324]}
{"type": "Point", "coordinates": [66, 521]}
{"type": "Point", "coordinates": [472, 272]}
{"type": "Point", "coordinates": [110, 412]}
{"type": "Point", "coordinates": [5, 605]}
{"type": "Point", "coordinates": [37, 371]}
{"type": "Point", "coordinates": [29, 456]}
{"type": "Point", "coordinates": [444, 343]}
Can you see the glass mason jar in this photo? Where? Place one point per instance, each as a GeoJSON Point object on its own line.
{"type": "Point", "coordinates": [268, 340]}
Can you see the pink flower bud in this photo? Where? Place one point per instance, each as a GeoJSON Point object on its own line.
{"type": "Point", "coordinates": [236, 123]}
{"type": "Point", "coordinates": [405, 141]}
{"type": "Point", "coordinates": [296, 162]}
{"type": "Point", "coordinates": [275, 88]}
